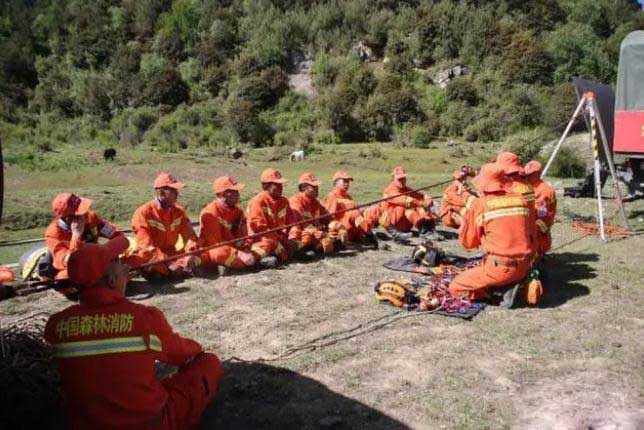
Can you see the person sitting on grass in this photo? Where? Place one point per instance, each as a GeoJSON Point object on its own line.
{"type": "Point", "coordinates": [402, 213]}
{"type": "Point", "coordinates": [223, 220]}
{"type": "Point", "coordinates": [162, 229]}
{"type": "Point", "coordinates": [106, 348]}
{"type": "Point", "coordinates": [75, 223]}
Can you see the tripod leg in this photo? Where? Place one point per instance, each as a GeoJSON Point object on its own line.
{"type": "Point", "coordinates": [597, 172]}
{"type": "Point", "coordinates": [563, 136]}
{"type": "Point", "coordinates": [600, 207]}
{"type": "Point", "coordinates": [611, 165]}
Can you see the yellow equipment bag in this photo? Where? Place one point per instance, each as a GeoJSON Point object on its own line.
{"type": "Point", "coordinates": [396, 293]}
{"type": "Point", "coordinates": [534, 288]}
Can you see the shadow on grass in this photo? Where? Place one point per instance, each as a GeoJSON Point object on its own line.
{"type": "Point", "coordinates": [259, 396]}
{"type": "Point", "coordinates": [563, 271]}
{"type": "Point", "coordinates": [143, 290]}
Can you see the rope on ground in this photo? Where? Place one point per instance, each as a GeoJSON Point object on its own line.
{"type": "Point", "coordinates": [332, 339]}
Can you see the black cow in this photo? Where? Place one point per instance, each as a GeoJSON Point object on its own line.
{"type": "Point", "coordinates": [109, 154]}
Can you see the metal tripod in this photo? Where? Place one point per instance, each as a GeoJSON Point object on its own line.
{"type": "Point", "coordinates": [588, 104]}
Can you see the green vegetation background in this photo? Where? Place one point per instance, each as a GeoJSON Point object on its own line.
{"type": "Point", "coordinates": [200, 77]}
{"type": "Point", "coordinates": [184, 73]}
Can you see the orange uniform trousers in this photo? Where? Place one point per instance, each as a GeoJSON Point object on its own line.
{"type": "Point", "coordinates": [473, 284]}
{"type": "Point", "coordinates": [190, 391]}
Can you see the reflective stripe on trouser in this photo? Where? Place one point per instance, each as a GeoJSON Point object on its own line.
{"type": "Point", "coordinates": [270, 246]}
{"type": "Point", "coordinates": [474, 283]}
{"type": "Point", "coordinates": [404, 219]}
{"type": "Point", "coordinates": [222, 256]}
{"type": "Point", "coordinates": [106, 346]}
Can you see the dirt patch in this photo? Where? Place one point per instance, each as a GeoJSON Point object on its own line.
{"type": "Point", "coordinates": [594, 398]}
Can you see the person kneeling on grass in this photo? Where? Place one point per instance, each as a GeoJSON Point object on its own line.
{"type": "Point", "coordinates": [498, 221]}
{"type": "Point", "coordinates": [106, 348]}
{"type": "Point", "coordinates": [158, 225]}
{"type": "Point", "coordinates": [223, 221]}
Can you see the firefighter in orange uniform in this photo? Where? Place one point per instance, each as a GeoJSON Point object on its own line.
{"type": "Point", "coordinates": [545, 204]}
{"type": "Point", "coordinates": [74, 224]}
{"type": "Point", "coordinates": [351, 225]}
{"type": "Point", "coordinates": [106, 348]}
{"type": "Point", "coordinates": [222, 221]}
{"type": "Point", "coordinates": [314, 235]}
{"type": "Point", "coordinates": [518, 184]}
{"type": "Point", "coordinates": [157, 226]}
{"type": "Point", "coordinates": [458, 197]}
{"type": "Point", "coordinates": [498, 222]}
{"type": "Point", "coordinates": [403, 213]}
{"type": "Point", "coordinates": [270, 210]}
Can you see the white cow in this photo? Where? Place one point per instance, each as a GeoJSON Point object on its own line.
{"type": "Point", "coordinates": [296, 156]}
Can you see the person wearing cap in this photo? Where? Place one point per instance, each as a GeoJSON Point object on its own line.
{"type": "Point", "coordinates": [223, 220]}
{"type": "Point", "coordinates": [519, 184]}
{"type": "Point", "coordinates": [351, 225]}
{"type": "Point", "coordinates": [74, 223]}
{"type": "Point", "coordinates": [457, 198]}
{"type": "Point", "coordinates": [402, 213]}
{"type": "Point", "coordinates": [545, 206]}
{"type": "Point", "coordinates": [269, 210]}
{"type": "Point", "coordinates": [498, 222]}
{"type": "Point", "coordinates": [313, 235]}
{"type": "Point", "coordinates": [158, 225]}
{"type": "Point", "coordinates": [106, 348]}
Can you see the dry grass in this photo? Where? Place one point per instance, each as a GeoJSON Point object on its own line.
{"type": "Point", "coordinates": [575, 362]}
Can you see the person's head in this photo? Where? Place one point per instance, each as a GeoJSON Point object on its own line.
{"type": "Point", "coordinates": [491, 179]}
{"type": "Point", "coordinates": [95, 265]}
{"type": "Point", "coordinates": [227, 189]}
{"type": "Point", "coordinates": [342, 180]}
{"type": "Point", "coordinates": [69, 207]}
{"type": "Point", "coordinates": [309, 185]}
{"type": "Point", "coordinates": [510, 163]}
{"type": "Point", "coordinates": [167, 188]}
{"type": "Point", "coordinates": [273, 182]}
{"type": "Point", "coordinates": [462, 173]}
{"type": "Point", "coordinates": [532, 170]}
{"type": "Point", "coordinates": [400, 175]}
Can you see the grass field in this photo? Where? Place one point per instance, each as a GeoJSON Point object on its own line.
{"type": "Point", "coordinates": [574, 362]}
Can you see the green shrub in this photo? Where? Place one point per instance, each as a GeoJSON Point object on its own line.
{"type": "Point", "coordinates": [462, 90]}
{"type": "Point", "coordinates": [527, 145]}
{"type": "Point", "coordinates": [419, 136]}
{"type": "Point", "coordinates": [567, 164]}
{"type": "Point", "coordinates": [485, 129]}
{"type": "Point", "coordinates": [295, 139]}
{"type": "Point", "coordinates": [325, 137]}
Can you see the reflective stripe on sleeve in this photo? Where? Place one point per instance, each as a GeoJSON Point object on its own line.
{"type": "Point", "coordinates": [100, 347]}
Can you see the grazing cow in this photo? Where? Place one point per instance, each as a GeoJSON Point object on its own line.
{"type": "Point", "coordinates": [109, 154]}
{"type": "Point", "coordinates": [297, 156]}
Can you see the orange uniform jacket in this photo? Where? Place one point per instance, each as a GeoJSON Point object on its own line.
{"type": "Point", "coordinates": [403, 212]}
{"type": "Point", "coordinates": [305, 208]}
{"type": "Point", "coordinates": [457, 198]}
{"type": "Point", "coordinates": [59, 242]}
{"type": "Point", "coordinates": [157, 229]}
{"type": "Point", "coordinates": [221, 223]}
{"type": "Point", "coordinates": [521, 186]}
{"type": "Point", "coordinates": [353, 221]}
{"type": "Point", "coordinates": [106, 347]}
{"type": "Point", "coordinates": [546, 207]}
{"type": "Point", "coordinates": [266, 213]}
{"type": "Point", "coordinates": [498, 223]}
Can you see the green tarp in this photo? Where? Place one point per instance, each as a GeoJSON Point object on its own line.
{"type": "Point", "coordinates": [630, 78]}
